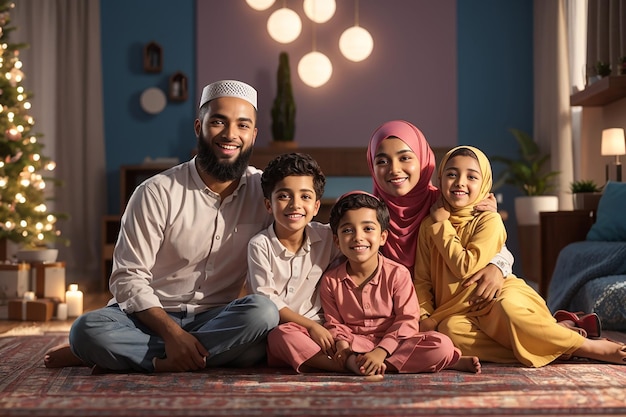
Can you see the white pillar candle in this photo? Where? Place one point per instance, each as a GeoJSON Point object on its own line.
{"type": "Point", "coordinates": [29, 296]}
{"type": "Point", "coordinates": [74, 301]}
{"type": "Point", "coordinates": [62, 311]}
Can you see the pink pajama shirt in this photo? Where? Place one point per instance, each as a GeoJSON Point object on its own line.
{"type": "Point", "coordinates": [384, 313]}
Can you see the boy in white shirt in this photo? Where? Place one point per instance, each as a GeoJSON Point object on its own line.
{"type": "Point", "coordinates": [287, 260]}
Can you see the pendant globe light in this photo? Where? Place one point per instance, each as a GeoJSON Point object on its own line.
{"type": "Point", "coordinates": [284, 25]}
{"type": "Point", "coordinates": [315, 68]}
{"type": "Point", "coordinates": [260, 4]}
{"type": "Point", "coordinates": [319, 11]}
{"type": "Point", "coordinates": [356, 43]}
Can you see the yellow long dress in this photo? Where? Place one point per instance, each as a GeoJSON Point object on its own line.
{"type": "Point", "coordinates": [516, 326]}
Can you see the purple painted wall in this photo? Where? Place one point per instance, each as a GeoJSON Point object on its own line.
{"type": "Point", "coordinates": [413, 40]}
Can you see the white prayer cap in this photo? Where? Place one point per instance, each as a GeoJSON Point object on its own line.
{"type": "Point", "coordinates": [228, 88]}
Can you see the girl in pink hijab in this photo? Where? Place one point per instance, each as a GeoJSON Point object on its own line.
{"type": "Point", "coordinates": [402, 164]}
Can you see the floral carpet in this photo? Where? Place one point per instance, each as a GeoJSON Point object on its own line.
{"type": "Point", "coordinates": [27, 388]}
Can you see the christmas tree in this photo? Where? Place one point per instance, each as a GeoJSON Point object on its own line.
{"type": "Point", "coordinates": [24, 216]}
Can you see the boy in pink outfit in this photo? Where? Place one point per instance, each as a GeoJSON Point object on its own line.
{"type": "Point", "coordinates": [369, 302]}
{"type": "Point", "coordinates": [286, 262]}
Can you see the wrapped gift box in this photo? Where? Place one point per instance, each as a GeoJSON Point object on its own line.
{"type": "Point", "coordinates": [14, 281]}
{"type": "Point", "coordinates": [48, 279]}
{"type": "Point", "coordinates": [41, 309]}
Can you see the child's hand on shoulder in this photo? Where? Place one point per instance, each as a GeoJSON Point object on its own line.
{"type": "Point", "coordinates": [438, 212]}
{"type": "Point", "coordinates": [488, 204]}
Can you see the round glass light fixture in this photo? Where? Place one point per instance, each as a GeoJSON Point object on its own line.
{"type": "Point", "coordinates": [284, 25]}
{"type": "Point", "coordinates": [319, 11]}
{"type": "Point", "coordinates": [260, 4]}
{"type": "Point", "coordinates": [315, 69]}
{"type": "Point", "coordinates": [356, 43]}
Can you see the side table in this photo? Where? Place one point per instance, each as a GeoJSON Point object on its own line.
{"type": "Point", "coordinates": [559, 229]}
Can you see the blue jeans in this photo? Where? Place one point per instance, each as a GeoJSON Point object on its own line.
{"type": "Point", "coordinates": [234, 335]}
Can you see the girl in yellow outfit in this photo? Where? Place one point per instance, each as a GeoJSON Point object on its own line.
{"type": "Point", "coordinates": [454, 242]}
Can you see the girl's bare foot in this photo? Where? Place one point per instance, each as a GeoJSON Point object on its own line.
{"type": "Point", "coordinates": [468, 364]}
{"type": "Point", "coordinates": [604, 350]}
{"type": "Point", "coordinates": [60, 357]}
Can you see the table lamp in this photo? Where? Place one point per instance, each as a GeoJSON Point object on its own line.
{"type": "Point", "coordinates": [613, 144]}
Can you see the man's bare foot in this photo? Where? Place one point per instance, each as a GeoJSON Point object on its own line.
{"type": "Point", "coordinates": [468, 364]}
{"type": "Point", "coordinates": [60, 357]}
{"type": "Point", "coordinates": [604, 350]}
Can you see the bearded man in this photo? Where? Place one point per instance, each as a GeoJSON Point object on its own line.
{"type": "Point", "coordinates": [179, 263]}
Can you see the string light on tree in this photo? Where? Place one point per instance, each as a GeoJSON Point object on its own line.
{"type": "Point", "coordinates": [23, 209]}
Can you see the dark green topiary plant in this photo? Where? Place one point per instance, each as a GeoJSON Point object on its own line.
{"type": "Point", "coordinates": [284, 107]}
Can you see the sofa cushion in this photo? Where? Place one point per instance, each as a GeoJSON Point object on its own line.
{"type": "Point", "coordinates": [605, 296]}
{"type": "Point", "coordinates": [610, 225]}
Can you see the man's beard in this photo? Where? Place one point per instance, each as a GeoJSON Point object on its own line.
{"type": "Point", "coordinates": [209, 163]}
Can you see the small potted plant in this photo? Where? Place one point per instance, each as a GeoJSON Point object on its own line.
{"type": "Point", "coordinates": [529, 175]}
{"type": "Point", "coordinates": [603, 69]}
{"type": "Point", "coordinates": [586, 194]}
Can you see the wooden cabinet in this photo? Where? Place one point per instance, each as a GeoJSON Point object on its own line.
{"type": "Point", "coordinates": [110, 230]}
{"type": "Point", "coordinates": [130, 177]}
{"type": "Point", "coordinates": [559, 229]}
{"type": "Point", "coordinates": [133, 175]}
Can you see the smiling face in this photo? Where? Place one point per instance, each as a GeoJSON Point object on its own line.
{"type": "Point", "coordinates": [359, 236]}
{"type": "Point", "coordinates": [396, 167]}
{"type": "Point", "coordinates": [226, 135]}
{"type": "Point", "coordinates": [293, 204]}
{"type": "Point", "coordinates": [461, 181]}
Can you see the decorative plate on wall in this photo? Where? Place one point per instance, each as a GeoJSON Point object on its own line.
{"type": "Point", "coordinates": [153, 100]}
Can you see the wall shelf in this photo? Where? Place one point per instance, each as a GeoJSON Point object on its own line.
{"type": "Point", "coordinates": [601, 93]}
{"type": "Point", "coordinates": [152, 57]}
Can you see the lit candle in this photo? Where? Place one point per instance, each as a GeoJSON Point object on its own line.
{"type": "Point", "coordinates": [74, 301]}
{"type": "Point", "coordinates": [62, 311]}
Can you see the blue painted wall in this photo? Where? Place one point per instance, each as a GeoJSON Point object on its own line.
{"type": "Point", "coordinates": [131, 134]}
{"type": "Point", "coordinates": [495, 91]}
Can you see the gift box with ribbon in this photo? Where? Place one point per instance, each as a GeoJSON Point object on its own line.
{"type": "Point", "coordinates": [31, 308]}
{"type": "Point", "coordinates": [14, 280]}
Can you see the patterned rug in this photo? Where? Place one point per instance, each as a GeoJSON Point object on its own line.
{"type": "Point", "coordinates": [27, 388]}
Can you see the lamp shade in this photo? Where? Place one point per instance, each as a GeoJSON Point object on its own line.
{"type": "Point", "coordinates": [613, 142]}
{"type": "Point", "coordinates": [356, 43]}
{"type": "Point", "coordinates": [260, 4]}
{"type": "Point", "coordinates": [315, 69]}
{"type": "Point", "coordinates": [284, 25]}
{"type": "Point", "coordinates": [319, 11]}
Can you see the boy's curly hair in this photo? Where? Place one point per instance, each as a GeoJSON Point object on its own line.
{"type": "Point", "coordinates": [296, 164]}
{"type": "Point", "coordinates": [355, 200]}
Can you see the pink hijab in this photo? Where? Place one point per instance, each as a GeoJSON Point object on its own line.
{"type": "Point", "coordinates": [406, 212]}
